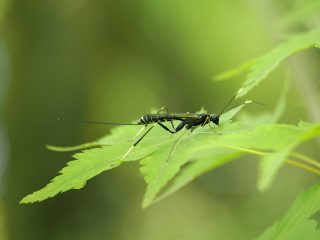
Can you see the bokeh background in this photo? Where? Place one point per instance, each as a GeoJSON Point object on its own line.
{"type": "Point", "coordinates": [115, 60]}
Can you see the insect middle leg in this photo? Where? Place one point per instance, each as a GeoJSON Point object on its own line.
{"type": "Point", "coordinates": [171, 121]}
{"type": "Point", "coordinates": [175, 130]}
{"type": "Point", "coordinates": [175, 145]}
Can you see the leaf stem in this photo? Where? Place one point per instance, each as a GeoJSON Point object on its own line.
{"type": "Point", "coordinates": [303, 166]}
{"type": "Point", "coordinates": [288, 161]}
{"type": "Point", "coordinates": [306, 159]}
{"type": "Point", "coordinates": [248, 150]}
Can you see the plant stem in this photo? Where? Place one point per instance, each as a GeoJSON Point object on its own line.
{"type": "Point", "coordinates": [305, 167]}
{"type": "Point", "coordinates": [288, 161]}
{"type": "Point", "coordinates": [306, 159]}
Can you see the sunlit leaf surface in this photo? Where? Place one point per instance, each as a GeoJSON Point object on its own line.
{"type": "Point", "coordinates": [260, 68]}
{"type": "Point", "coordinates": [163, 156]}
{"type": "Point", "coordinates": [297, 222]}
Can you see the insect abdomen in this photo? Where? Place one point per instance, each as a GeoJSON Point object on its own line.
{"type": "Point", "coordinates": [151, 118]}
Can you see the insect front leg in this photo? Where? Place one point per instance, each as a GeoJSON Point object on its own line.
{"type": "Point", "coordinates": [212, 128]}
{"type": "Point", "coordinates": [192, 126]}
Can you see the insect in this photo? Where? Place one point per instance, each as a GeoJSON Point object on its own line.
{"type": "Point", "coordinates": [187, 121]}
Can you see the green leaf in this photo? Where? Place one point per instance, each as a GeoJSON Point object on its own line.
{"type": "Point", "coordinates": [215, 158]}
{"type": "Point", "coordinates": [182, 156]}
{"type": "Point", "coordinates": [296, 224]}
{"type": "Point", "coordinates": [72, 148]}
{"type": "Point", "coordinates": [236, 71]}
{"type": "Point", "coordinates": [268, 62]}
{"type": "Point", "coordinates": [269, 117]}
{"type": "Point", "coordinates": [271, 163]}
{"type": "Point", "coordinates": [74, 176]}
{"type": "Point", "coordinates": [159, 168]}
{"type": "Point", "coordinates": [304, 10]}
{"type": "Point", "coordinates": [90, 163]}
{"type": "Point", "coordinates": [226, 117]}
{"type": "Point", "coordinates": [274, 137]}
{"type": "Point", "coordinates": [118, 135]}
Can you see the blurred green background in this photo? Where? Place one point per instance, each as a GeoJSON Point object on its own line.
{"type": "Point", "coordinates": [114, 61]}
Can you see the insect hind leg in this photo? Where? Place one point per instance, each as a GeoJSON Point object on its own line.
{"type": "Point", "coordinates": [136, 143]}
{"type": "Point", "coordinates": [140, 131]}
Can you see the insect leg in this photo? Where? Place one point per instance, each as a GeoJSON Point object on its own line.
{"type": "Point", "coordinates": [140, 131]}
{"type": "Point", "coordinates": [136, 143]}
{"type": "Point", "coordinates": [167, 112]}
{"type": "Point", "coordinates": [163, 108]}
{"type": "Point", "coordinates": [212, 128]}
{"type": "Point", "coordinates": [177, 129]}
{"type": "Point", "coordinates": [165, 127]}
{"type": "Point", "coordinates": [175, 145]}
{"type": "Point", "coordinates": [180, 126]}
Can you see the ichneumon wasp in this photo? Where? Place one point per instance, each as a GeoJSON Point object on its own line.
{"type": "Point", "coordinates": [188, 121]}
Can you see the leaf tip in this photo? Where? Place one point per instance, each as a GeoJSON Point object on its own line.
{"type": "Point", "coordinates": [26, 200]}
{"type": "Point", "coordinates": [51, 147]}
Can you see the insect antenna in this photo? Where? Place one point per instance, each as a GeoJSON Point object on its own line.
{"type": "Point", "coordinates": [96, 122]}
{"type": "Point", "coordinates": [227, 105]}
{"type": "Point", "coordinates": [234, 96]}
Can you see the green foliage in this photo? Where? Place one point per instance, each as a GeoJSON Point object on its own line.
{"type": "Point", "coordinates": [170, 162]}
{"type": "Point", "coordinates": [162, 157]}
{"type": "Point", "coordinates": [90, 163]}
{"type": "Point", "coordinates": [272, 162]}
{"type": "Point", "coordinates": [305, 10]}
{"type": "Point", "coordinates": [298, 223]}
{"type": "Point", "coordinates": [260, 68]}
{"type": "Point", "coordinates": [87, 165]}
